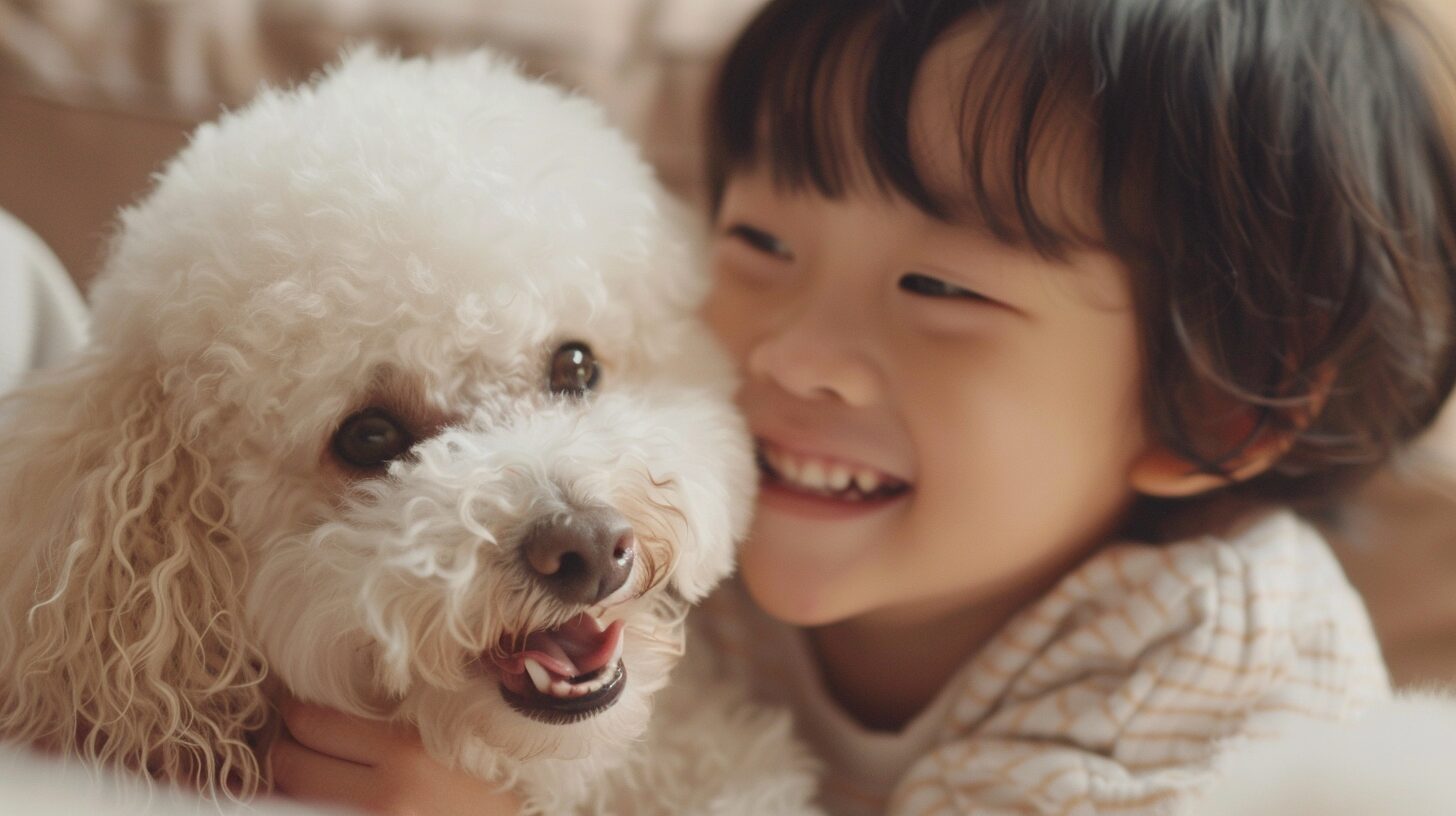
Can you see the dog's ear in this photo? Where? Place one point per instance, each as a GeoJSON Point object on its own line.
{"type": "Point", "coordinates": [121, 635]}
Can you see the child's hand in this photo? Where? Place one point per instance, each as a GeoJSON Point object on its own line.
{"type": "Point", "coordinates": [327, 756]}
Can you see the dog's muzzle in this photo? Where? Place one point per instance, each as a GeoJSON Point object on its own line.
{"type": "Point", "coordinates": [582, 557]}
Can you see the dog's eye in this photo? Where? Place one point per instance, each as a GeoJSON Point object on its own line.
{"type": "Point", "coordinates": [574, 370]}
{"type": "Point", "coordinates": [371, 439]}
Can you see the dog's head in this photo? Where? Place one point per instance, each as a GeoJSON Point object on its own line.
{"type": "Point", "coordinates": [424, 334]}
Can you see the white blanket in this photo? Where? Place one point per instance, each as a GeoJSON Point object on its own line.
{"type": "Point", "coordinates": [42, 318]}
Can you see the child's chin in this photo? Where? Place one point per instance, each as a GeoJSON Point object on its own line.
{"type": "Point", "coordinates": [805, 589]}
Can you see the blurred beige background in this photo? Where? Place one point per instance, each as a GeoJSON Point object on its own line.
{"type": "Point", "coordinates": [95, 94]}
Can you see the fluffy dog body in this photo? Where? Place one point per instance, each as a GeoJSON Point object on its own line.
{"type": "Point", "coordinates": [418, 241]}
{"type": "Point", "coordinates": [1394, 759]}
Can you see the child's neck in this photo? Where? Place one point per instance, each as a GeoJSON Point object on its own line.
{"type": "Point", "coordinates": [885, 667]}
{"type": "Point", "coordinates": [883, 673]}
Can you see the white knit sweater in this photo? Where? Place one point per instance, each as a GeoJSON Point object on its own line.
{"type": "Point", "coordinates": [1110, 695]}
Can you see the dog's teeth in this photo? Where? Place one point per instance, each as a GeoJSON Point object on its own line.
{"type": "Point", "coordinates": [609, 674]}
{"type": "Point", "coordinates": [561, 688]}
{"type": "Point", "coordinates": [616, 656]}
{"type": "Point", "coordinates": [588, 688]}
{"type": "Point", "coordinates": [539, 676]}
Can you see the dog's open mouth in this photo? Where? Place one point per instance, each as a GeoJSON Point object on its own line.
{"type": "Point", "coordinates": [564, 674]}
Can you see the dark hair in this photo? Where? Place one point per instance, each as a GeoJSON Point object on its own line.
{"type": "Point", "coordinates": [1276, 173]}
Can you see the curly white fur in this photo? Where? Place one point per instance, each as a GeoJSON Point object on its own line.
{"type": "Point", "coordinates": [415, 235]}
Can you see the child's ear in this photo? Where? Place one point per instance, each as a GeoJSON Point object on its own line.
{"type": "Point", "coordinates": [1163, 473]}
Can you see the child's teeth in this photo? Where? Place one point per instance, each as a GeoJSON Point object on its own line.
{"type": "Point", "coordinates": [790, 469]}
{"type": "Point", "coordinates": [775, 460]}
{"type": "Point", "coordinates": [539, 676]}
{"type": "Point", "coordinates": [821, 476]}
{"type": "Point", "coordinates": [867, 480]}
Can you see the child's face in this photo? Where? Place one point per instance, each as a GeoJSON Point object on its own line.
{"type": "Point", "coordinates": [1006, 423]}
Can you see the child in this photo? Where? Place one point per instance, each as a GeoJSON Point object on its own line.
{"type": "Point", "coordinates": [1044, 310]}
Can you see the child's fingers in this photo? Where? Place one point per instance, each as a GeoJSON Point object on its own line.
{"type": "Point", "coordinates": [302, 773]}
{"type": "Point", "coordinates": [405, 781]}
{"type": "Point", "coordinates": [342, 735]}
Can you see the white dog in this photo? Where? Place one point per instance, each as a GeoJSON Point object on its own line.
{"type": "Point", "coordinates": [1396, 759]}
{"type": "Point", "coordinates": [397, 395]}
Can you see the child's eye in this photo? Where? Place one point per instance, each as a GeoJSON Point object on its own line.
{"type": "Point", "coordinates": [926, 286]}
{"type": "Point", "coordinates": [761, 241]}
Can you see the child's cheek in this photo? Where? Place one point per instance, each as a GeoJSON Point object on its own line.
{"type": "Point", "coordinates": [728, 324]}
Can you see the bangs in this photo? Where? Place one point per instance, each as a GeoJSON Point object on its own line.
{"type": "Point", "coordinates": [1278, 177]}
{"type": "Point", "coordinates": [821, 95]}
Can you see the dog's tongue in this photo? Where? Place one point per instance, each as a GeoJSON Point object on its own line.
{"type": "Point", "coordinates": [579, 646]}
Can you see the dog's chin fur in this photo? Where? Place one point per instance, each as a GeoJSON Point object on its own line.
{"type": "Point", "coordinates": [475, 733]}
{"type": "Point", "coordinates": [415, 236]}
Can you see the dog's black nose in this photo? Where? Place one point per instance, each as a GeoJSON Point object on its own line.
{"type": "Point", "coordinates": [582, 556]}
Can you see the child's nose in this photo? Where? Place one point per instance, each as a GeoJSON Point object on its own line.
{"type": "Point", "coordinates": [813, 361]}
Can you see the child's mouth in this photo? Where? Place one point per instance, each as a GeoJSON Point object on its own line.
{"type": "Point", "coordinates": [825, 479]}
